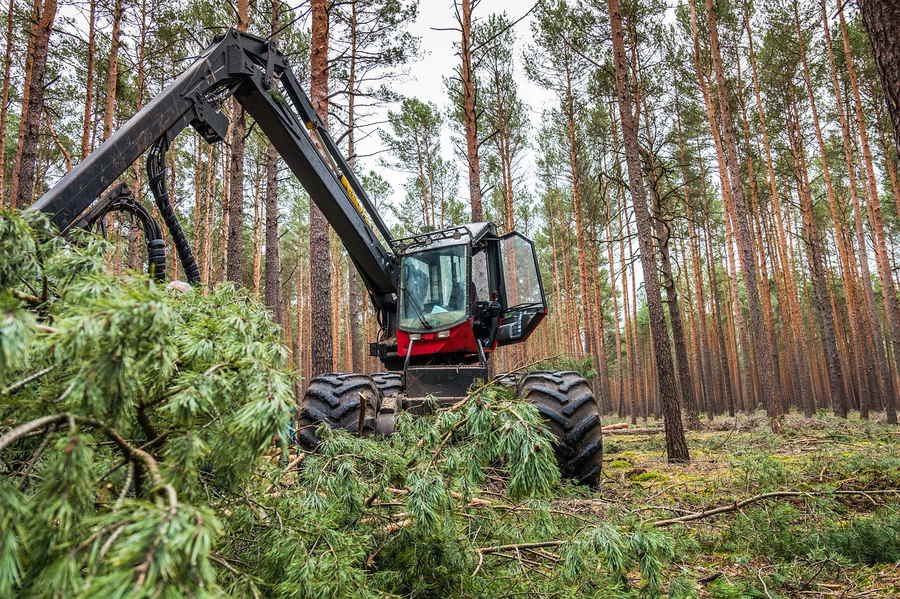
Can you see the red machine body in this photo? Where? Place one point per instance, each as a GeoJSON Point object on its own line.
{"type": "Point", "coordinates": [456, 339]}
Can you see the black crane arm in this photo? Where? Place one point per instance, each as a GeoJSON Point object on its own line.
{"type": "Point", "coordinates": [258, 76]}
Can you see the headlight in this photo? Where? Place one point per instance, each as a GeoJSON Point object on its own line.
{"type": "Point", "coordinates": [443, 334]}
{"type": "Point", "coordinates": [415, 337]}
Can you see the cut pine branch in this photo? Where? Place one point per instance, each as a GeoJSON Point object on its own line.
{"type": "Point", "coordinates": [731, 507]}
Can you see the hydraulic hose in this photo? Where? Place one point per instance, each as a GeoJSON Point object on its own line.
{"type": "Point", "coordinates": [121, 200]}
{"type": "Point", "coordinates": [156, 173]}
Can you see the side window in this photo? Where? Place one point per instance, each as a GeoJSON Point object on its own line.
{"type": "Point", "coordinates": [523, 283]}
{"type": "Point", "coordinates": [525, 302]}
{"type": "Point", "coordinates": [480, 276]}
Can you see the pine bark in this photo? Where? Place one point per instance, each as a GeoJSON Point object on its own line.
{"type": "Point", "coordinates": [29, 129]}
{"type": "Point", "coordinates": [319, 247]}
{"type": "Point", "coordinates": [470, 118]}
{"type": "Point", "coordinates": [273, 296]}
{"type": "Point", "coordinates": [273, 261]}
{"type": "Point", "coordinates": [870, 326]}
{"type": "Point", "coordinates": [235, 254]}
{"type": "Point", "coordinates": [882, 21]}
{"type": "Point", "coordinates": [819, 279]}
{"type": "Point", "coordinates": [590, 330]}
{"type": "Point", "coordinates": [815, 251]}
{"type": "Point", "coordinates": [4, 97]}
{"type": "Point", "coordinates": [682, 363]}
{"type": "Point", "coordinates": [892, 307]}
{"type": "Point", "coordinates": [112, 73]}
{"type": "Point", "coordinates": [89, 82]}
{"type": "Point", "coordinates": [356, 307]}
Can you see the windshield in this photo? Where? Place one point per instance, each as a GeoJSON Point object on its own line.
{"type": "Point", "coordinates": [433, 289]}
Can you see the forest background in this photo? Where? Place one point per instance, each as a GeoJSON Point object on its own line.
{"type": "Point", "coordinates": [755, 177]}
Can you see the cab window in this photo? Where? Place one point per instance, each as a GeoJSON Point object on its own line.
{"type": "Point", "coordinates": [433, 289]}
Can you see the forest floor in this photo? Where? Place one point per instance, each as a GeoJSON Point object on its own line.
{"type": "Point", "coordinates": [822, 541]}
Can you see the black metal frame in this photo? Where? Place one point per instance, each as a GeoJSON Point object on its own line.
{"type": "Point", "coordinates": [405, 244]}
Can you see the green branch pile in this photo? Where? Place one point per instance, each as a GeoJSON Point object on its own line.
{"type": "Point", "coordinates": [144, 450]}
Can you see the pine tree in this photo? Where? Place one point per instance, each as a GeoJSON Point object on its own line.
{"type": "Point", "coordinates": [676, 446]}
{"type": "Point", "coordinates": [319, 247]}
{"type": "Point", "coordinates": [24, 164]}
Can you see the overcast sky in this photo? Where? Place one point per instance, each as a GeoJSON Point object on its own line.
{"type": "Point", "coordinates": [437, 60]}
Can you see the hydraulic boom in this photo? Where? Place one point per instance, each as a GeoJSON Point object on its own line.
{"type": "Point", "coordinates": [254, 72]}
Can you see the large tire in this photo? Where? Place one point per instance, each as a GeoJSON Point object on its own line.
{"type": "Point", "coordinates": [389, 383]}
{"type": "Point", "coordinates": [336, 399]}
{"type": "Point", "coordinates": [566, 402]}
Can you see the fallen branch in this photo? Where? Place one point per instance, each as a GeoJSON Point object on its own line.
{"type": "Point", "coordinates": [613, 427]}
{"type": "Point", "coordinates": [26, 297]}
{"type": "Point", "coordinates": [24, 429]}
{"type": "Point", "coordinates": [632, 431]}
{"type": "Point", "coordinates": [516, 546]}
{"type": "Point", "coordinates": [16, 386]}
{"type": "Point", "coordinates": [133, 453]}
{"type": "Point", "coordinates": [774, 495]}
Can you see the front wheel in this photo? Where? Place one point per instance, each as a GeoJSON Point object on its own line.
{"type": "Point", "coordinates": [566, 402]}
{"type": "Point", "coordinates": [346, 401]}
{"type": "Point", "coordinates": [389, 383]}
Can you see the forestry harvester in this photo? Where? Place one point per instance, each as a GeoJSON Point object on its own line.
{"type": "Point", "coordinates": [445, 300]}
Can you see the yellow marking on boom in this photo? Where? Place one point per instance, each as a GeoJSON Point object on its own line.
{"type": "Point", "coordinates": [352, 196]}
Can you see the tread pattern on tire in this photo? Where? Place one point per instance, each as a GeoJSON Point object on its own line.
{"type": "Point", "coordinates": [335, 399]}
{"type": "Point", "coordinates": [566, 402]}
{"type": "Point", "coordinates": [389, 383]}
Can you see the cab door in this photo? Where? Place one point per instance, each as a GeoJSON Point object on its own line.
{"type": "Point", "coordinates": [523, 290]}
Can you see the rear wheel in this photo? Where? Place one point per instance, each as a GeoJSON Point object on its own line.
{"type": "Point", "coordinates": [389, 383]}
{"type": "Point", "coordinates": [345, 401]}
{"type": "Point", "coordinates": [566, 402]}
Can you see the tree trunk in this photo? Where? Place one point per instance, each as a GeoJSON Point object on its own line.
{"type": "Point", "coordinates": [319, 247]}
{"type": "Point", "coordinates": [4, 99]}
{"type": "Point", "coordinates": [619, 402]}
{"type": "Point", "coordinates": [591, 329]}
{"type": "Point", "coordinates": [273, 263]}
{"type": "Point", "coordinates": [815, 257]}
{"type": "Point", "coordinates": [815, 251]}
{"type": "Point", "coordinates": [356, 307]}
{"type": "Point", "coordinates": [789, 292]}
{"type": "Point", "coordinates": [467, 75]}
{"type": "Point", "coordinates": [870, 328]}
{"type": "Point", "coordinates": [882, 21]}
{"type": "Point", "coordinates": [112, 73]}
{"type": "Point", "coordinates": [668, 282]}
{"type": "Point", "coordinates": [258, 233]}
{"type": "Point", "coordinates": [892, 308]}
{"type": "Point", "coordinates": [29, 129]}
{"type": "Point", "coordinates": [676, 446]}
{"type": "Point", "coordinates": [89, 83]}
{"type": "Point", "coordinates": [235, 254]}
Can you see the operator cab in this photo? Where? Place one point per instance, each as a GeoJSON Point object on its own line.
{"type": "Point", "coordinates": [465, 291]}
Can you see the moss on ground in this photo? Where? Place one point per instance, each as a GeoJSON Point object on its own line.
{"type": "Point", "coordinates": [824, 544]}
